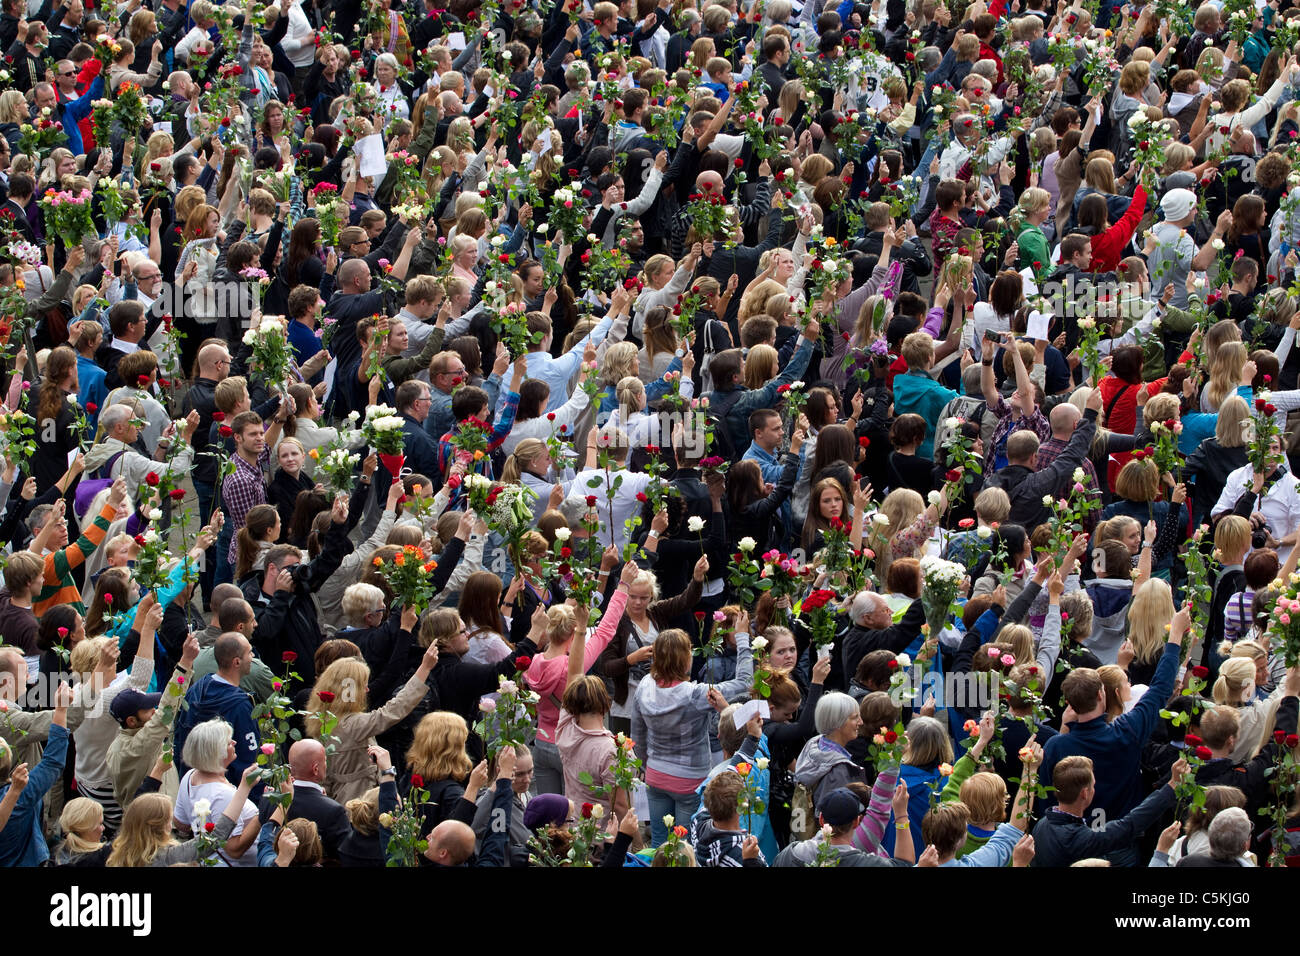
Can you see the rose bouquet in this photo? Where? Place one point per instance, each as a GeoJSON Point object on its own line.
{"type": "Point", "coordinates": [67, 215]}
{"type": "Point", "coordinates": [336, 468]}
{"type": "Point", "coordinates": [41, 135]}
{"type": "Point", "coordinates": [508, 717]}
{"type": "Point", "coordinates": [405, 845]}
{"type": "Point", "coordinates": [330, 212]}
{"type": "Point", "coordinates": [129, 109]}
{"type": "Point", "coordinates": [382, 430]}
{"type": "Point", "coordinates": [827, 268]}
{"type": "Point", "coordinates": [940, 582]}
{"type": "Point", "coordinates": [817, 607]}
{"type": "Point", "coordinates": [407, 575]}
{"type": "Point", "coordinates": [272, 356]}
{"type": "Point", "coordinates": [17, 435]}
{"type": "Point", "coordinates": [1263, 433]}
{"type": "Point", "coordinates": [745, 573]}
{"type": "Point", "coordinates": [708, 213]}
{"type": "Point", "coordinates": [887, 746]}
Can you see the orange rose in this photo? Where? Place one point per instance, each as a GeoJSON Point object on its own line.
{"type": "Point", "coordinates": [378, 562]}
{"type": "Point", "coordinates": [743, 769]}
{"type": "Point", "coordinates": [315, 455]}
{"type": "Point", "coordinates": [399, 560]}
{"type": "Point", "coordinates": [680, 831]}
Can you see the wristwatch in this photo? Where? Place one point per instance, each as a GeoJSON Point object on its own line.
{"type": "Point", "coordinates": [390, 772]}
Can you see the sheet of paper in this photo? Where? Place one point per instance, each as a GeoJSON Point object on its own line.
{"type": "Point", "coordinates": [162, 126]}
{"type": "Point", "coordinates": [745, 712]}
{"type": "Point", "coordinates": [546, 143]}
{"type": "Point", "coordinates": [1031, 286]}
{"type": "Point", "coordinates": [1038, 324]}
{"type": "Point", "coordinates": [370, 155]}
{"type": "Point", "coordinates": [456, 41]}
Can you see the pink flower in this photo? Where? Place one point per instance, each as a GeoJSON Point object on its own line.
{"type": "Point", "coordinates": [268, 749]}
{"type": "Point", "coordinates": [993, 652]}
{"type": "Point", "coordinates": [1284, 618]}
{"type": "Point", "coordinates": [719, 616]}
{"type": "Point", "coordinates": [1008, 660]}
{"type": "Point", "coordinates": [1078, 487]}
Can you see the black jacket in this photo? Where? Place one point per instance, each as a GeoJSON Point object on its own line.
{"type": "Point", "coordinates": [1061, 839]}
{"type": "Point", "coordinates": [1250, 777]}
{"type": "Point", "coordinates": [858, 642]}
{"type": "Point", "coordinates": [1026, 487]}
{"type": "Point", "coordinates": [329, 816]}
{"type": "Point", "coordinates": [202, 396]}
{"type": "Point", "coordinates": [916, 261]}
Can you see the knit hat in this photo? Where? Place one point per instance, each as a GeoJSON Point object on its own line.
{"type": "Point", "coordinates": [1177, 204]}
{"type": "Point", "coordinates": [546, 808]}
{"type": "Point", "coordinates": [840, 806]}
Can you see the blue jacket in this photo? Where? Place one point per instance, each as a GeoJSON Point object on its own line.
{"type": "Point", "coordinates": [920, 394]}
{"type": "Point", "coordinates": [210, 698]}
{"type": "Point", "coordinates": [90, 379]}
{"type": "Point", "coordinates": [920, 781]}
{"type": "Point", "coordinates": [73, 112]}
{"type": "Point", "coordinates": [1116, 748]}
{"type": "Point", "coordinates": [22, 841]}
{"type": "Point", "coordinates": [420, 448]}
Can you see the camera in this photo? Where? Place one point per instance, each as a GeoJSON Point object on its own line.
{"type": "Point", "coordinates": [1259, 538]}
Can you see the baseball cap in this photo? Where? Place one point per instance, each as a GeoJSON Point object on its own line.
{"type": "Point", "coordinates": [130, 702]}
{"type": "Point", "coordinates": [841, 806]}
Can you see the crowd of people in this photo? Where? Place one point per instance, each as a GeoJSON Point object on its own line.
{"type": "Point", "coordinates": [653, 433]}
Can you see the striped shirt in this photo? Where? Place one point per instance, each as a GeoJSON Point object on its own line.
{"type": "Point", "coordinates": [57, 586]}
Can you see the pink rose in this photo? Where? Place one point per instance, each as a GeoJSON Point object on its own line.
{"type": "Point", "coordinates": [268, 749]}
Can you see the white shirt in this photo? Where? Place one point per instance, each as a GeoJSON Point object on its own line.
{"type": "Point", "coordinates": [1280, 504]}
{"type": "Point", "coordinates": [593, 482]}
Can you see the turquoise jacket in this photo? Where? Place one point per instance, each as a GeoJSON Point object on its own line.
{"type": "Point", "coordinates": [918, 393]}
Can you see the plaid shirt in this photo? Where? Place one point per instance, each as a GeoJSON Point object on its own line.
{"type": "Point", "coordinates": [240, 491]}
{"type": "Point", "coordinates": [1008, 423]}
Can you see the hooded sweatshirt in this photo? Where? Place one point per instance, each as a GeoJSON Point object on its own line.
{"type": "Point", "coordinates": [824, 765]}
{"type": "Point", "coordinates": [714, 847]}
{"type": "Point", "coordinates": [804, 852]}
{"type": "Point", "coordinates": [671, 723]}
{"type": "Point", "coordinates": [209, 698]}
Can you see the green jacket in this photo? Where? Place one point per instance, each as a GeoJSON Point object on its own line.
{"type": "Point", "coordinates": [1034, 249]}
{"type": "Point", "coordinates": [133, 753]}
{"type": "Point", "coordinates": [963, 771]}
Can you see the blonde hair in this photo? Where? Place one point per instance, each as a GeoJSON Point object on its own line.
{"type": "Point", "coordinates": [755, 298]}
{"type": "Point", "coordinates": [438, 750]}
{"type": "Point", "coordinates": [1232, 535]}
{"type": "Point", "coordinates": [760, 366]}
{"type": "Point", "coordinates": [561, 623]}
{"type": "Point", "coordinates": [1233, 415]}
{"type": "Point", "coordinates": [620, 362]}
{"type": "Point", "coordinates": [1225, 372]}
{"type": "Point", "coordinates": [1151, 610]}
{"type": "Point", "coordinates": [901, 506]}
{"type": "Point", "coordinates": [146, 831]}
{"type": "Point", "coordinates": [985, 794]}
{"type": "Point", "coordinates": [347, 679]}
{"type": "Point", "coordinates": [1034, 198]}
{"type": "Point", "coordinates": [1112, 678]}
{"type": "Point", "coordinates": [440, 626]}
{"type": "Point", "coordinates": [1235, 674]}
{"type": "Point", "coordinates": [80, 814]}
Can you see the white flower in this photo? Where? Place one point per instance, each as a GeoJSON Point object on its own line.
{"type": "Point", "coordinates": [934, 498]}
{"type": "Point", "coordinates": [1079, 474]}
{"type": "Point", "coordinates": [695, 523]}
{"type": "Point", "coordinates": [155, 514]}
{"type": "Point", "coordinates": [984, 532]}
{"type": "Point", "coordinates": [1048, 500]}
{"type": "Point", "coordinates": [1137, 119]}
{"type": "Point", "coordinates": [202, 808]}
{"type": "Point", "coordinates": [938, 110]}
{"type": "Point", "coordinates": [952, 422]}
{"type": "Point", "coordinates": [562, 534]}
{"type": "Point", "coordinates": [1087, 323]}
{"type": "Point", "coordinates": [669, 821]}
{"type": "Point", "coordinates": [828, 266]}
{"type": "Point", "coordinates": [761, 763]}
{"type": "Point", "coordinates": [591, 237]}
{"type": "Point", "coordinates": [498, 239]}
{"type": "Point", "coordinates": [795, 385]}
{"type": "Point", "coordinates": [759, 643]}
{"type": "Point", "coordinates": [747, 544]}
{"type": "Point", "coordinates": [880, 520]}
{"type": "Point", "coordinates": [1198, 282]}
{"type": "Point", "coordinates": [827, 832]}
{"type": "Point", "coordinates": [903, 661]}
{"type": "Point", "coordinates": [354, 415]}
{"type": "Point", "coordinates": [543, 228]}
{"type": "Point", "coordinates": [597, 811]}
{"type": "Point", "coordinates": [935, 91]}
{"type": "Point", "coordinates": [250, 337]}
{"type": "Point", "coordinates": [490, 287]}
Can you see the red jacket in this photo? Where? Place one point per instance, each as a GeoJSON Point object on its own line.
{"type": "Point", "coordinates": [1108, 248]}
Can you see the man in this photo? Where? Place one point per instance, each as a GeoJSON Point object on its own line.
{"type": "Point", "coordinates": [65, 32]}
{"type": "Point", "coordinates": [446, 374]}
{"type": "Point", "coordinates": [234, 615]}
{"type": "Point", "coordinates": [304, 308]}
{"type": "Point", "coordinates": [352, 302]}
{"type": "Point", "coordinates": [842, 811]}
{"type": "Point", "coordinates": [287, 620]}
{"type": "Point", "coordinates": [145, 727]}
{"type": "Point", "coordinates": [767, 428]}
{"type": "Point", "coordinates": [872, 628]}
{"type": "Point", "coordinates": [23, 573]}
{"type": "Point", "coordinates": [1027, 488]}
{"type": "Point", "coordinates": [219, 695]}
{"type": "Point", "coordinates": [128, 322]}
{"type": "Point", "coordinates": [247, 486]}
{"type": "Point", "coordinates": [1270, 502]}
{"type": "Point", "coordinates": [22, 841]}
{"type": "Point", "coordinates": [1114, 747]}
{"type": "Point", "coordinates": [26, 55]}
{"type": "Point", "coordinates": [520, 784]}
{"type": "Point", "coordinates": [558, 372]}
{"type": "Point", "coordinates": [1064, 421]}
{"type": "Point", "coordinates": [1229, 841]}
{"type": "Point", "coordinates": [596, 483]}
{"type": "Point", "coordinates": [115, 456]}
{"type": "Point", "coordinates": [214, 366]}
{"type": "Point", "coordinates": [422, 301]}
{"type": "Point", "coordinates": [1063, 836]}
{"type": "Point", "coordinates": [138, 371]}
{"type": "Point", "coordinates": [716, 832]}
{"type": "Point", "coordinates": [916, 262]}
{"type": "Point", "coordinates": [472, 402]}
{"type": "Point", "coordinates": [1254, 777]}
{"type": "Point", "coordinates": [21, 190]}
{"type": "Point", "coordinates": [776, 54]}
{"type": "Point", "coordinates": [732, 404]}
{"type": "Point", "coordinates": [307, 763]}
{"type": "Point", "coordinates": [413, 403]}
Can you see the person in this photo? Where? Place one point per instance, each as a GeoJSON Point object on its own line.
{"type": "Point", "coordinates": [718, 838]}
{"type": "Point", "coordinates": [218, 696]}
{"type": "Point", "coordinates": [147, 830]}
{"type": "Point", "coordinates": [82, 822]}
{"type": "Point", "coordinates": [308, 766]}
{"type": "Point", "coordinates": [1229, 842]}
{"type": "Point", "coordinates": [22, 841]}
{"type": "Point", "coordinates": [209, 752]}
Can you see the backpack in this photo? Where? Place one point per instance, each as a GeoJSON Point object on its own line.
{"type": "Point", "coordinates": [969, 408]}
{"type": "Point", "coordinates": [803, 814]}
{"type": "Point", "coordinates": [718, 411]}
{"type": "Point", "coordinates": [89, 489]}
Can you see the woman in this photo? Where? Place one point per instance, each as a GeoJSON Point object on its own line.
{"type": "Point", "coordinates": [671, 723]}
{"type": "Point", "coordinates": [1196, 838]}
{"type": "Point", "coordinates": [1226, 365]}
{"type": "Point", "coordinates": [260, 532]}
{"type": "Point", "coordinates": [1236, 688]}
{"type": "Point", "coordinates": [1119, 690]}
{"type": "Point", "coordinates": [1216, 458]}
{"type": "Point", "coordinates": [928, 748]}
{"type": "Point", "coordinates": [146, 838]}
{"type": "Point", "coordinates": [620, 363]}
{"type": "Point", "coordinates": [290, 478]}
{"type": "Point", "coordinates": [824, 764]}
{"type": "Point", "coordinates": [533, 423]}
{"type": "Point", "coordinates": [480, 608]}
{"type": "Point", "coordinates": [1136, 490]}
{"type": "Point", "coordinates": [57, 432]}
{"type": "Point", "coordinates": [304, 265]}
{"type": "Point", "coordinates": [1121, 393]}
{"type": "Point", "coordinates": [903, 526]}
{"type": "Point", "coordinates": [1109, 242]}
{"type": "Point", "coordinates": [752, 510]}
{"type": "Point", "coordinates": [660, 347]}
{"type": "Point", "coordinates": [196, 269]}
{"type": "Point", "coordinates": [391, 99]}
{"type": "Point", "coordinates": [437, 755]}
{"type": "Point", "coordinates": [761, 366]}
{"type": "Point", "coordinates": [907, 469]}
{"type": "Point", "coordinates": [1249, 234]}
{"type": "Point", "coordinates": [632, 415]}
{"type": "Point", "coordinates": [342, 691]}
{"type": "Point", "coordinates": [626, 661]}
{"type": "Point", "coordinates": [663, 284]}
{"type": "Point", "coordinates": [272, 132]}
{"type": "Point", "coordinates": [82, 823]}
{"type": "Point", "coordinates": [204, 790]}
{"type": "Point", "coordinates": [546, 673]}
{"type": "Point", "coordinates": [1036, 208]}
{"type": "Point", "coordinates": [1148, 615]}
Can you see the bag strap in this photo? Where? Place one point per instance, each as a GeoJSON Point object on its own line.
{"type": "Point", "coordinates": [1115, 401]}
{"type": "Point", "coordinates": [105, 471]}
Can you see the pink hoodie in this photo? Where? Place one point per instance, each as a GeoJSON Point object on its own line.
{"type": "Point", "coordinates": [547, 676]}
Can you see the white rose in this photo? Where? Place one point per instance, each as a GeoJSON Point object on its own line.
{"type": "Point", "coordinates": [1079, 474]}
{"type": "Point", "coordinates": [695, 523]}
{"type": "Point", "coordinates": [562, 534]}
{"type": "Point", "coordinates": [202, 808]}
{"type": "Point", "coordinates": [984, 532]}
{"type": "Point", "coordinates": [1217, 244]}
{"type": "Point", "coordinates": [936, 90]}
{"type": "Point", "coordinates": [880, 520]}
{"type": "Point", "coordinates": [934, 498]}
{"type": "Point", "coordinates": [1048, 500]}
{"type": "Point", "coordinates": [761, 763]}
{"type": "Point", "coordinates": [597, 811]}
{"type": "Point", "coordinates": [747, 544]}
{"type": "Point", "coordinates": [759, 643]}
{"type": "Point", "coordinates": [354, 415]}
{"type": "Point", "coordinates": [1198, 282]}
{"type": "Point", "coordinates": [938, 110]}
{"type": "Point", "coordinates": [952, 422]}
{"type": "Point", "coordinates": [903, 661]}
{"type": "Point", "coordinates": [828, 266]}
{"type": "Point", "coordinates": [543, 228]}
{"type": "Point", "coordinates": [669, 821]}
{"type": "Point", "coordinates": [591, 237]}
{"type": "Point", "coordinates": [490, 287]}
{"type": "Point", "coordinates": [794, 385]}
{"type": "Point", "coordinates": [498, 239]}
{"type": "Point", "coordinates": [250, 337]}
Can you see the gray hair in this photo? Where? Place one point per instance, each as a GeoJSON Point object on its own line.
{"type": "Point", "coordinates": [389, 59]}
{"type": "Point", "coordinates": [573, 508]}
{"type": "Point", "coordinates": [1230, 834]}
{"type": "Point", "coordinates": [863, 604]}
{"type": "Point", "coordinates": [205, 747]}
{"type": "Point", "coordinates": [833, 710]}
{"type": "Point", "coordinates": [115, 415]}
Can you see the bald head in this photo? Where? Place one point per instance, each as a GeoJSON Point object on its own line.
{"type": "Point", "coordinates": [709, 178]}
{"type": "Point", "coordinates": [221, 594]}
{"type": "Point", "coordinates": [354, 275]}
{"type": "Point", "coordinates": [1063, 418]}
{"type": "Point", "coordinates": [451, 843]}
{"type": "Point", "coordinates": [307, 761]}
{"type": "Point", "coordinates": [214, 362]}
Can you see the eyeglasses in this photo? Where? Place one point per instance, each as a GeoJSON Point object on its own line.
{"type": "Point", "coordinates": [73, 73]}
{"type": "Point", "coordinates": [223, 362]}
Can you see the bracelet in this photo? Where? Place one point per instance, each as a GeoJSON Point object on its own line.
{"type": "Point", "coordinates": [902, 826]}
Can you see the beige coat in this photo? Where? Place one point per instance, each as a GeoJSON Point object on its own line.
{"type": "Point", "coordinates": [350, 772]}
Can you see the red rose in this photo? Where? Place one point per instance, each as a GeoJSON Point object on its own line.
{"type": "Point", "coordinates": [591, 501]}
{"type": "Point", "coordinates": [218, 416]}
{"type": "Point", "coordinates": [1204, 752]}
{"type": "Point", "coordinates": [417, 781]}
{"type": "Point", "coordinates": [143, 380]}
{"type": "Point", "coordinates": [566, 552]}
{"type": "Point", "coordinates": [288, 657]}
{"type": "Point", "coordinates": [1279, 735]}
{"type": "Point", "coordinates": [1259, 404]}
{"type": "Point", "coordinates": [1192, 740]}
{"type": "Point", "coordinates": [152, 479]}
{"type": "Point", "coordinates": [864, 442]}
{"type": "Point", "coordinates": [1292, 740]}
{"type": "Point", "coordinates": [139, 539]}
{"type": "Point", "coordinates": [225, 431]}
{"type": "Point", "coordinates": [326, 696]}
{"type": "Point", "coordinates": [777, 121]}
{"type": "Point", "coordinates": [587, 809]}
{"type": "Point", "coordinates": [356, 54]}
{"type": "Point", "coordinates": [92, 407]}
{"type": "Point", "coordinates": [209, 827]}
{"type": "Point", "coordinates": [1270, 408]}
{"type": "Point", "coordinates": [699, 615]}
{"type": "Point", "coordinates": [177, 494]}
{"type": "Point", "coordinates": [952, 475]}
{"type": "Point", "coordinates": [893, 665]}
{"type": "Point", "coordinates": [641, 497]}
{"type": "Point", "coordinates": [523, 662]}
{"type": "Point", "coordinates": [1200, 672]}
{"type": "Point", "coordinates": [739, 162]}
{"type": "Point", "coordinates": [891, 736]}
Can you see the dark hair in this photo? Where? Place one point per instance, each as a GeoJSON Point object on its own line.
{"type": "Point", "coordinates": [1260, 568]}
{"type": "Point", "coordinates": [1012, 539]}
{"type": "Point", "coordinates": [1093, 214]}
{"type": "Point", "coordinates": [533, 396]}
{"type": "Point", "coordinates": [908, 429]}
{"type": "Point", "coordinates": [306, 507]}
{"type": "Point", "coordinates": [58, 616]}
{"type": "Point", "coordinates": [834, 443]}
{"type": "Point", "coordinates": [818, 407]}
{"type": "Point", "coordinates": [1126, 365]}
{"type": "Point", "coordinates": [468, 401]}
{"type": "Point", "coordinates": [744, 485]}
